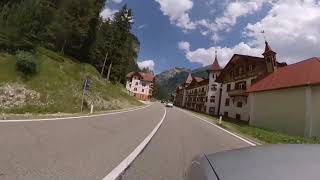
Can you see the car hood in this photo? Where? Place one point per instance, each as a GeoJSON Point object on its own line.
{"type": "Point", "coordinates": [281, 162]}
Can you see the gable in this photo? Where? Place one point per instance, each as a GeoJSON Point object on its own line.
{"type": "Point", "coordinates": [242, 66]}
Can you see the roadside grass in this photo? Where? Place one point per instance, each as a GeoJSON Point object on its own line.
{"type": "Point", "coordinates": [259, 135]}
{"type": "Point", "coordinates": [59, 81]}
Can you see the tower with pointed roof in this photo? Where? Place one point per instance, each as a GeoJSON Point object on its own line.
{"type": "Point", "coordinates": [214, 71]}
{"type": "Point", "coordinates": [270, 58]}
{"type": "Point", "coordinates": [189, 79]}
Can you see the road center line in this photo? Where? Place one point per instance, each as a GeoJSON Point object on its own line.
{"type": "Point", "coordinates": [204, 120]}
{"type": "Point", "coordinates": [116, 172]}
{"type": "Point", "coordinates": [76, 117]}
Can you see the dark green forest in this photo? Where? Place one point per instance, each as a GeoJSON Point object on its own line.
{"type": "Point", "coordinates": [74, 29]}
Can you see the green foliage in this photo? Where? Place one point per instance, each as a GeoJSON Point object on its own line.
{"type": "Point", "coordinates": [160, 92]}
{"type": "Point", "coordinates": [115, 42]}
{"type": "Point", "coordinates": [264, 135]}
{"type": "Point", "coordinates": [58, 75]}
{"type": "Point", "coordinates": [73, 28]}
{"type": "Point", "coordinates": [25, 63]}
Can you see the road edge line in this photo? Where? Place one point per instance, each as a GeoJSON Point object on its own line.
{"type": "Point", "coordinates": [117, 171]}
{"type": "Point", "coordinates": [231, 133]}
{"type": "Point", "coordinates": [73, 117]}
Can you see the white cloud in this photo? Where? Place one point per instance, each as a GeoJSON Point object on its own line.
{"type": "Point", "coordinates": [177, 10]}
{"type": "Point", "coordinates": [117, 1]}
{"type": "Point", "coordinates": [206, 56]}
{"type": "Point", "coordinates": [292, 27]}
{"type": "Point", "coordinates": [146, 64]}
{"type": "Point", "coordinates": [233, 10]}
{"type": "Point", "coordinates": [108, 13]}
{"type": "Point", "coordinates": [142, 26]}
{"type": "Point", "coordinates": [183, 45]}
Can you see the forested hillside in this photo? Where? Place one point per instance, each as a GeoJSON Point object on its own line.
{"type": "Point", "coordinates": [73, 28]}
{"type": "Point", "coordinates": [49, 47]}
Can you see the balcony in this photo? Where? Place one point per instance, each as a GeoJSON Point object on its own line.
{"type": "Point", "coordinates": [237, 92]}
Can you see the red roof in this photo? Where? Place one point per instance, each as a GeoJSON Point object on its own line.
{"type": "Point", "coordinates": [189, 79]}
{"type": "Point", "coordinates": [215, 66]}
{"type": "Point", "coordinates": [145, 76]}
{"type": "Point", "coordinates": [267, 49]}
{"type": "Point", "coordinates": [306, 72]}
{"type": "Point", "coordinates": [198, 79]}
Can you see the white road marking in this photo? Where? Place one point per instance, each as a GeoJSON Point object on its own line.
{"type": "Point", "coordinates": [233, 134]}
{"type": "Point", "coordinates": [76, 117]}
{"type": "Point", "coordinates": [116, 172]}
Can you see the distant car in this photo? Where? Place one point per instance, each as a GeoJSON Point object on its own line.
{"type": "Point", "coordinates": [169, 105]}
{"type": "Point", "coordinates": [283, 162]}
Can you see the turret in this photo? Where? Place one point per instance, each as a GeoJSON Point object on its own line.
{"type": "Point", "coordinates": [270, 58]}
{"type": "Point", "coordinates": [215, 69]}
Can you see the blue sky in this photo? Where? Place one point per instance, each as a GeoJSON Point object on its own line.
{"type": "Point", "coordinates": [185, 33]}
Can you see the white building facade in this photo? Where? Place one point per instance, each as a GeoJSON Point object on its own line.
{"type": "Point", "coordinates": [140, 85]}
{"type": "Point", "coordinates": [214, 93]}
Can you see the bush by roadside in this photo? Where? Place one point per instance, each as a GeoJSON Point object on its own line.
{"type": "Point", "coordinates": [26, 63]}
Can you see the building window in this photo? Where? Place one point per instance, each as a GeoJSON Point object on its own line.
{"type": "Point", "coordinates": [213, 76]}
{"type": "Point", "coordinates": [238, 116]}
{"type": "Point", "coordinates": [142, 90]}
{"type": "Point", "coordinates": [241, 85]}
{"type": "Point", "coordinates": [213, 87]}
{"type": "Point", "coordinates": [226, 114]}
{"type": "Point", "coordinates": [135, 89]}
{"type": "Point", "coordinates": [228, 87]}
{"type": "Point", "coordinates": [137, 83]}
{"type": "Point", "coordinates": [143, 84]}
{"type": "Point", "coordinates": [239, 104]}
{"type": "Point", "coordinates": [212, 110]}
{"type": "Point", "coordinates": [251, 67]}
{"type": "Point", "coordinates": [268, 59]}
{"type": "Point", "coordinates": [227, 102]}
{"type": "Point", "coordinates": [212, 99]}
{"type": "Point", "coordinates": [240, 70]}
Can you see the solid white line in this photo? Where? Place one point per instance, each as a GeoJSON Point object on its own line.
{"type": "Point", "coordinates": [116, 172]}
{"type": "Point", "coordinates": [76, 117]}
{"type": "Point", "coordinates": [204, 120]}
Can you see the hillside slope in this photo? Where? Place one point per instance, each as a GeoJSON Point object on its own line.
{"type": "Point", "coordinates": [57, 87]}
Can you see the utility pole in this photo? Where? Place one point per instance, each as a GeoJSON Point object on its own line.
{"type": "Point", "coordinates": [104, 64]}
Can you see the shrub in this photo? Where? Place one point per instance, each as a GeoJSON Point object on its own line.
{"type": "Point", "coordinates": [25, 63]}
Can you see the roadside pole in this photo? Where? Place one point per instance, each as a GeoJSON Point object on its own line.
{"type": "Point", "coordinates": [86, 86]}
{"type": "Point", "coordinates": [83, 91]}
{"type": "Point", "coordinates": [91, 110]}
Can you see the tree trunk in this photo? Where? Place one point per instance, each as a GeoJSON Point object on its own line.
{"type": "Point", "coordinates": [104, 64]}
{"type": "Point", "coordinates": [109, 71]}
{"type": "Point", "coordinates": [62, 48]}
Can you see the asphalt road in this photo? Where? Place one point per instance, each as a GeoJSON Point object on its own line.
{"type": "Point", "coordinates": [89, 148]}
{"type": "Point", "coordinates": [73, 149]}
{"type": "Point", "coordinates": [180, 139]}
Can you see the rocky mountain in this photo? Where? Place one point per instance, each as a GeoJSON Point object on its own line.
{"type": "Point", "coordinates": [168, 80]}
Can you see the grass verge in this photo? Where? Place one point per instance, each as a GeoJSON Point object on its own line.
{"type": "Point", "coordinates": [59, 81]}
{"type": "Point", "coordinates": [259, 135]}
